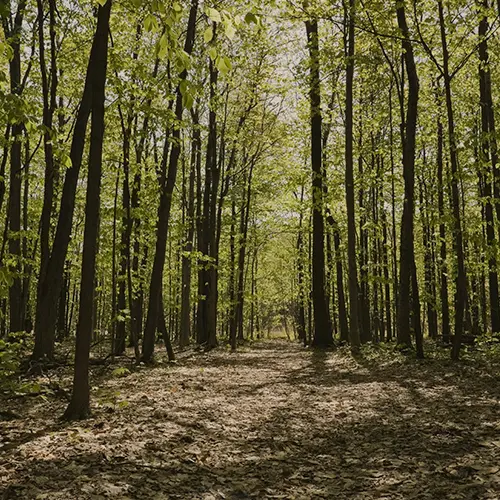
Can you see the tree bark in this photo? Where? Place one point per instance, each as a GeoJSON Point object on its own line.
{"type": "Point", "coordinates": [354, 334]}
{"type": "Point", "coordinates": [461, 283]}
{"type": "Point", "coordinates": [407, 251]}
{"type": "Point", "coordinates": [50, 284]}
{"type": "Point", "coordinates": [322, 328]}
{"type": "Point", "coordinates": [166, 193]}
{"type": "Point", "coordinates": [79, 406]}
{"type": "Point", "coordinates": [488, 150]}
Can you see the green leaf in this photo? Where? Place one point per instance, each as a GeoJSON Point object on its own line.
{"type": "Point", "coordinates": [66, 161]}
{"type": "Point", "coordinates": [102, 3]}
{"type": "Point", "coordinates": [150, 23]}
{"type": "Point", "coordinates": [163, 46]}
{"type": "Point", "coordinates": [208, 34]}
{"type": "Point", "coordinates": [251, 18]}
{"type": "Point", "coordinates": [187, 100]}
{"type": "Point", "coordinates": [212, 53]}
{"type": "Point", "coordinates": [214, 15]}
{"type": "Point", "coordinates": [177, 7]}
{"type": "Point", "coordinates": [230, 29]}
{"type": "Point", "coordinates": [183, 87]}
{"type": "Point", "coordinates": [224, 65]}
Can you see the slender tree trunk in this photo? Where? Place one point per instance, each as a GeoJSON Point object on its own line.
{"type": "Point", "coordinates": [164, 207]}
{"type": "Point", "coordinates": [364, 299]}
{"type": "Point", "coordinates": [242, 246]}
{"type": "Point", "coordinates": [49, 106]}
{"type": "Point", "coordinates": [12, 29]}
{"type": "Point", "coordinates": [354, 335]}
{"type": "Point", "coordinates": [50, 284]}
{"type": "Point", "coordinates": [322, 328]}
{"type": "Point", "coordinates": [461, 290]}
{"type": "Point", "coordinates": [395, 281]}
{"type": "Point", "coordinates": [185, 329]}
{"type": "Point", "coordinates": [79, 406]}
{"type": "Point", "coordinates": [232, 278]}
{"type": "Point", "coordinates": [212, 291]}
{"type": "Point", "coordinates": [162, 328]}
{"type": "Point", "coordinates": [407, 251]}
{"type": "Point", "coordinates": [488, 154]}
{"type": "Point", "coordinates": [385, 263]}
{"type": "Point", "coordinates": [443, 266]}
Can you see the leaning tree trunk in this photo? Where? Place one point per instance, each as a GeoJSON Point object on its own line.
{"type": "Point", "coordinates": [166, 193]}
{"type": "Point", "coordinates": [79, 406]}
{"type": "Point", "coordinates": [49, 286]}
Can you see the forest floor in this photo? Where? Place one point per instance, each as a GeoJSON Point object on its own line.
{"type": "Point", "coordinates": [274, 420]}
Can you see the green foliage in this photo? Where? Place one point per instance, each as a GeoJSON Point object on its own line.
{"type": "Point", "coordinates": [12, 351]}
{"type": "Point", "coordinates": [120, 372]}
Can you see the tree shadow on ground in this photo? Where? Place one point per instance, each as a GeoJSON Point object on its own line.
{"type": "Point", "coordinates": [335, 430]}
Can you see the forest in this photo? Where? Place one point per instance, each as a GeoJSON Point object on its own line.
{"type": "Point", "coordinates": [249, 249]}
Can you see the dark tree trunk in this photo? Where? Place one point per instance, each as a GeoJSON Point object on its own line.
{"type": "Point", "coordinates": [185, 327]}
{"type": "Point", "coordinates": [443, 266]}
{"type": "Point", "coordinates": [354, 335]}
{"type": "Point", "coordinates": [363, 291]}
{"type": "Point", "coordinates": [385, 263]}
{"type": "Point", "coordinates": [395, 281]}
{"type": "Point", "coordinates": [242, 248]}
{"type": "Point", "coordinates": [49, 106]}
{"type": "Point", "coordinates": [79, 406]}
{"type": "Point", "coordinates": [343, 325]}
{"type": "Point", "coordinates": [12, 29]}
{"type": "Point", "coordinates": [322, 328]}
{"type": "Point", "coordinates": [407, 251]}
{"type": "Point", "coordinates": [49, 286]}
{"type": "Point", "coordinates": [62, 314]}
{"type": "Point", "coordinates": [166, 193]}
{"type": "Point", "coordinates": [488, 154]}
{"type": "Point", "coordinates": [232, 278]}
{"type": "Point", "coordinates": [207, 291]}
{"type": "Point", "coordinates": [461, 287]}
{"type": "Point", "coordinates": [212, 291]}
{"type": "Point", "coordinates": [427, 231]}
{"type": "Point", "coordinates": [162, 328]}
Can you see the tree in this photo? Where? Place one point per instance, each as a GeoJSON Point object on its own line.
{"type": "Point", "coordinates": [349, 182]}
{"type": "Point", "coordinates": [407, 256]}
{"type": "Point", "coordinates": [79, 406]}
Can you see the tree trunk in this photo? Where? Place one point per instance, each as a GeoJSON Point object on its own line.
{"type": "Point", "coordinates": [407, 255]}
{"type": "Point", "coordinates": [166, 193]}
{"type": "Point", "coordinates": [354, 336]}
{"type": "Point", "coordinates": [50, 284]}
{"type": "Point", "coordinates": [461, 290]}
{"type": "Point", "coordinates": [185, 328]}
{"type": "Point", "coordinates": [79, 406]}
{"type": "Point", "coordinates": [49, 106]}
{"type": "Point", "coordinates": [488, 154]}
{"type": "Point", "coordinates": [13, 28]}
{"type": "Point", "coordinates": [322, 328]}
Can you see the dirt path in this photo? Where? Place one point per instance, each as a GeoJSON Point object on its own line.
{"type": "Point", "coordinates": [273, 421]}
